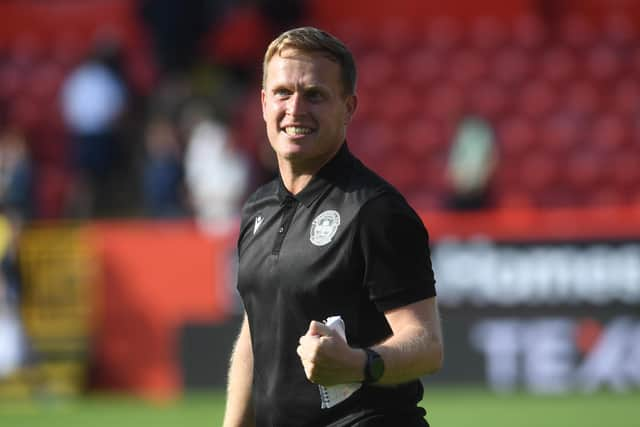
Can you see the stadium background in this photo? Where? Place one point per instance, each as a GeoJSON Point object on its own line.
{"type": "Point", "coordinates": [131, 310]}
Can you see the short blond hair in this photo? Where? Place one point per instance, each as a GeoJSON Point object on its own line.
{"type": "Point", "coordinates": [310, 39]}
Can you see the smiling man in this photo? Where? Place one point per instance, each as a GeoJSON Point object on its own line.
{"type": "Point", "coordinates": [328, 238]}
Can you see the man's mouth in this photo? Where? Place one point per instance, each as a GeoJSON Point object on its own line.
{"type": "Point", "coordinates": [297, 130]}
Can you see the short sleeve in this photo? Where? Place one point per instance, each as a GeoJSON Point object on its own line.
{"type": "Point", "coordinates": [395, 249]}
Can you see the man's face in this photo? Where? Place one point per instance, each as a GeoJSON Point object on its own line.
{"type": "Point", "coordinates": [305, 108]}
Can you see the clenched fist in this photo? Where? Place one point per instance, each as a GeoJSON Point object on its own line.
{"type": "Point", "coordinates": [327, 358]}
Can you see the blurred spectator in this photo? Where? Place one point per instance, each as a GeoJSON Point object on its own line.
{"type": "Point", "coordinates": [15, 174]}
{"type": "Point", "coordinates": [176, 28]}
{"type": "Point", "coordinates": [13, 348]}
{"type": "Point", "coordinates": [217, 174]}
{"type": "Point", "coordinates": [163, 171]}
{"type": "Point", "coordinates": [472, 161]}
{"type": "Point", "coordinates": [94, 98]}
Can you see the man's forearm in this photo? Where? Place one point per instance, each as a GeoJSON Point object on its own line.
{"type": "Point", "coordinates": [239, 411]}
{"type": "Point", "coordinates": [409, 355]}
{"type": "Point", "coordinates": [415, 349]}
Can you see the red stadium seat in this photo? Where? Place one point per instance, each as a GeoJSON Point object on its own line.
{"type": "Point", "coordinates": [536, 99]}
{"type": "Point", "coordinates": [423, 67]}
{"type": "Point", "coordinates": [559, 134]}
{"type": "Point", "coordinates": [609, 133]}
{"type": "Point", "coordinates": [558, 65]}
{"type": "Point", "coordinates": [443, 33]}
{"type": "Point", "coordinates": [624, 98]}
{"type": "Point", "coordinates": [529, 32]}
{"type": "Point", "coordinates": [488, 100]}
{"type": "Point", "coordinates": [511, 66]}
{"type": "Point", "coordinates": [423, 139]}
{"type": "Point", "coordinates": [399, 104]}
{"type": "Point", "coordinates": [468, 66]}
{"type": "Point", "coordinates": [603, 64]}
{"type": "Point", "coordinates": [376, 69]}
{"type": "Point", "coordinates": [577, 31]}
{"type": "Point", "coordinates": [445, 102]}
{"type": "Point", "coordinates": [583, 171]}
{"type": "Point", "coordinates": [517, 137]}
{"type": "Point", "coordinates": [487, 34]}
{"type": "Point", "coordinates": [619, 30]}
{"type": "Point", "coordinates": [396, 36]}
{"type": "Point", "coordinates": [582, 98]}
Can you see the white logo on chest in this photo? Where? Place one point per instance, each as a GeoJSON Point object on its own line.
{"type": "Point", "coordinates": [324, 227]}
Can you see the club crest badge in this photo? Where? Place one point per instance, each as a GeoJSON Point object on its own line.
{"type": "Point", "coordinates": [324, 227]}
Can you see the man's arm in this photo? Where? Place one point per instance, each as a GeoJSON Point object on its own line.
{"type": "Point", "coordinates": [415, 348]}
{"type": "Point", "coordinates": [239, 411]}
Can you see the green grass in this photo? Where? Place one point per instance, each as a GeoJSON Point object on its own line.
{"type": "Point", "coordinates": [455, 407]}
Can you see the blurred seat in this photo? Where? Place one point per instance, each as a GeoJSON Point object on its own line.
{"type": "Point", "coordinates": [577, 31]}
{"type": "Point", "coordinates": [26, 49]}
{"type": "Point", "coordinates": [619, 30]}
{"type": "Point", "coordinates": [582, 99]}
{"type": "Point", "coordinates": [624, 98]}
{"type": "Point", "coordinates": [609, 133]}
{"type": "Point", "coordinates": [622, 170]}
{"type": "Point", "coordinates": [536, 99]}
{"type": "Point", "coordinates": [468, 66]}
{"type": "Point", "coordinates": [511, 66]}
{"type": "Point", "coordinates": [376, 69]}
{"type": "Point", "coordinates": [517, 137]}
{"type": "Point", "coordinates": [488, 100]}
{"type": "Point", "coordinates": [443, 33]}
{"type": "Point", "coordinates": [52, 190]}
{"type": "Point", "coordinates": [374, 142]}
{"type": "Point", "coordinates": [11, 81]}
{"type": "Point", "coordinates": [539, 173]}
{"type": "Point", "coordinates": [46, 80]}
{"type": "Point", "coordinates": [487, 34]}
{"type": "Point", "coordinates": [583, 172]}
{"type": "Point", "coordinates": [560, 134]}
{"type": "Point", "coordinates": [423, 139]}
{"type": "Point", "coordinates": [356, 34]}
{"type": "Point", "coordinates": [422, 67]}
{"type": "Point", "coordinates": [558, 65]}
{"type": "Point", "coordinates": [396, 36]}
{"type": "Point", "coordinates": [445, 102]}
{"type": "Point", "coordinates": [603, 64]}
{"type": "Point", "coordinates": [529, 32]}
{"type": "Point", "coordinates": [398, 104]}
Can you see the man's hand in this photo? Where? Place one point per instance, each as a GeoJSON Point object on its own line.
{"type": "Point", "coordinates": [327, 358]}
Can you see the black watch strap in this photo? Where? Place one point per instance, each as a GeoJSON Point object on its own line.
{"type": "Point", "coordinates": [373, 367]}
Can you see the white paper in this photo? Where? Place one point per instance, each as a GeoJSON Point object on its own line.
{"type": "Point", "coordinates": [332, 395]}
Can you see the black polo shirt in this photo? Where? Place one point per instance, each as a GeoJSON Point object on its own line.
{"type": "Point", "coordinates": [348, 245]}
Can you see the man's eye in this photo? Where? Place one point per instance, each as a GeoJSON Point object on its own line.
{"type": "Point", "coordinates": [282, 92]}
{"type": "Point", "coordinates": [314, 95]}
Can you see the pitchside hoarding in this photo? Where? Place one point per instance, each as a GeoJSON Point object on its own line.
{"type": "Point", "coordinates": [544, 317]}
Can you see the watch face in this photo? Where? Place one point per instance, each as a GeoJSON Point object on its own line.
{"type": "Point", "coordinates": [375, 366]}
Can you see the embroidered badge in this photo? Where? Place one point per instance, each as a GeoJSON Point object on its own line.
{"type": "Point", "coordinates": [257, 223]}
{"type": "Point", "coordinates": [324, 227]}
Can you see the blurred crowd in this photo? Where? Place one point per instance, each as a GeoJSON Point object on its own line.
{"type": "Point", "coordinates": [98, 129]}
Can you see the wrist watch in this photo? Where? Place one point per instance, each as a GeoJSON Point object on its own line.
{"type": "Point", "coordinates": [373, 367]}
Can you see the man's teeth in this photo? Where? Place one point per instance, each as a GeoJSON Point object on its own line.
{"type": "Point", "coordinates": [295, 130]}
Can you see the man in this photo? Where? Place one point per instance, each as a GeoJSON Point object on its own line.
{"type": "Point", "coordinates": [328, 238]}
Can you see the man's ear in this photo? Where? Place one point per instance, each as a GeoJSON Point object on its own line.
{"type": "Point", "coordinates": [352, 105]}
{"type": "Point", "coordinates": [263, 100]}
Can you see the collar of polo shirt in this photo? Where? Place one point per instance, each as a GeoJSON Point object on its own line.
{"type": "Point", "coordinates": [335, 171]}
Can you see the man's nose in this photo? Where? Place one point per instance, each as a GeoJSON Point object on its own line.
{"type": "Point", "coordinates": [296, 104]}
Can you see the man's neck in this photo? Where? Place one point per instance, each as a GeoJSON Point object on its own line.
{"type": "Point", "coordinates": [296, 176]}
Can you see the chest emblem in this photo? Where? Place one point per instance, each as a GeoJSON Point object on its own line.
{"type": "Point", "coordinates": [324, 227]}
{"type": "Point", "coordinates": [257, 223]}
